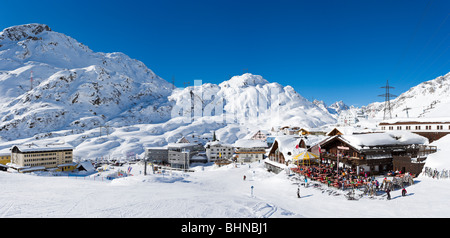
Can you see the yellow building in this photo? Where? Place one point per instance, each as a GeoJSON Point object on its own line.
{"type": "Point", "coordinates": [67, 167]}
{"type": "Point", "coordinates": [48, 155]}
{"type": "Point", "coordinates": [5, 157]}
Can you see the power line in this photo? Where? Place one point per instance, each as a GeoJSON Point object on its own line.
{"type": "Point", "coordinates": [406, 109]}
{"type": "Point", "coordinates": [387, 101]}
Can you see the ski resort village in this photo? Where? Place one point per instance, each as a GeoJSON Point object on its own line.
{"type": "Point", "coordinates": [89, 134]}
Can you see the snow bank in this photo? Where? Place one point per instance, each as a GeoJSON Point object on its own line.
{"type": "Point", "coordinates": [440, 160]}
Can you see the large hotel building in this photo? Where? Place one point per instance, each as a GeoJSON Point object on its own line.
{"type": "Point", "coordinates": [48, 156]}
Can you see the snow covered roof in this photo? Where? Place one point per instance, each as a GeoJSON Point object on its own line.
{"type": "Point", "coordinates": [156, 148]}
{"type": "Point", "coordinates": [183, 140]}
{"type": "Point", "coordinates": [31, 169]}
{"type": "Point", "coordinates": [287, 146]}
{"type": "Point", "coordinates": [359, 141]}
{"type": "Point", "coordinates": [87, 165]}
{"type": "Point", "coordinates": [68, 164]}
{"type": "Point", "coordinates": [180, 145]}
{"type": "Point", "coordinates": [247, 143]}
{"type": "Point", "coordinates": [217, 143]}
{"type": "Point", "coordinates": [345, 130]}
{"type": "Point", "coordinates": [33, 147]}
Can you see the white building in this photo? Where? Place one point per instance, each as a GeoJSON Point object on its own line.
{"type": "Point", "coordinates": [218, 150]}
{"type": "Point", "coordinates": [248, 150]}
{"type": "Point", "coordinates": [41, 155]}
{"type": "Point", "coordinates": [159, 155]}
{"type": "Point", "coordinates": [347, 118]}
{"type": "Point", "coordinates": [432, 128]}
{"type": "Point", "coordinates": [180, 154]}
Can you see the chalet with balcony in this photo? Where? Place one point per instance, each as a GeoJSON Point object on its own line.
{"type": "Point", "coordinates": [374, 152]}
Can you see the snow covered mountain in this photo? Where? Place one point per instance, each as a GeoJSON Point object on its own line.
{"type": "Point", "coordinates": [338, 107]}
{"type": "Point", "coordinates": [53, 87]}
{"type": "Point", "coordinates": [251, 100]}
{"type": "Point", "coordinates": [428, 99]}
{"type": "Point", "coordinates": [334, 109]}
{"type": "Point", "coordinates": [72, 86]}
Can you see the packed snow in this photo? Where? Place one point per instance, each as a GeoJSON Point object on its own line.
{"type": "Point", "coordinates": [440, 160]}
{"type": "Point", "coordinates": [209, 192]}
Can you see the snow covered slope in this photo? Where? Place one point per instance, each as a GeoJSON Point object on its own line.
{"type": "Point", "coordinates": [73, 87]}
{"type": "Point", "coordinates": [210, 192]}
{"type": "Point", "coordinates": [439, 160]}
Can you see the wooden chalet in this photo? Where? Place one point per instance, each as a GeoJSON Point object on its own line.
{"type": "Point", "coordinates": [303, 131]}
{"type": "Point", "coordinates": [334, 132]}
{"type": "Point", "coordinates": [286, 147]}
{"type": "Point", "coordinates": [260, 135]}
{"type": "Point", "coordinates": [373, 152]}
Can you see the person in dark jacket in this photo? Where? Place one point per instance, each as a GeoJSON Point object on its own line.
{"type": "Point", "coordinates": [403, 192]}
{"type": "Point", "coordinates": [298, 192]}
{"type": "Point", "coordinates": [388, 192]}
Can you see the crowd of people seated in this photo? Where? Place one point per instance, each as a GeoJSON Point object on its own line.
{"type": "Point", "coordinates": [343, 178]}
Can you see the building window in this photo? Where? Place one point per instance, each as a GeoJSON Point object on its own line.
{"type": "Point", "coordinates": [408, 127]}
{"type": "Point", "coordinates": [417, 127]}
{"type": "Point", "coordinates": [399, 127]}
{"type": "Point", "coordinates": [391, 128]}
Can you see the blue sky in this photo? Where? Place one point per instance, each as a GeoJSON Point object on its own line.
{"type": "Point", "coordinates": [327, 50]}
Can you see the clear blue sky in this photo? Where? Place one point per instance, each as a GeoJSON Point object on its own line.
{"type": "Point", "coordinates": [328, 50]}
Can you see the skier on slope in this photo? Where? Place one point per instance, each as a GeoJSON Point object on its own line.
{"type": "Point", "coordinates": [403, 192]}
{"type": "Point", "coordinates": [298, 192]}
{"type": "Point", "coordinates": [388, 192]}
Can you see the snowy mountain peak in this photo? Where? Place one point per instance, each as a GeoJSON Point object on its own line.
{"type": "Point", "coordinates": [339, 106]}
{"type": "Point", "coordinates": [72, 87]}
{"type": "Point", "coordinates": [334, 109]}
{"type": "Point", "coordinates": [244, 80]}
{"type": "Point", "coordinates": [20, 32]}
